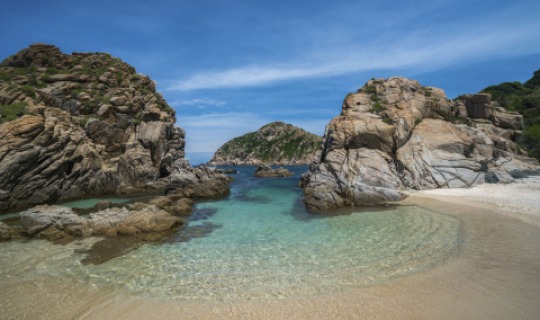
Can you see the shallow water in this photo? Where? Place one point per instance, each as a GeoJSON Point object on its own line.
{"type": "Point", "coordinates": [262, 245]}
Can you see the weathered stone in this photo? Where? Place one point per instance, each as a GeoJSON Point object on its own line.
{"type": "Point", "coordinates": [395, 134]}
{"type": "Point", "coordinates": [72, 148]}
{"type": "Point", "coordinates": [479, 106]}
{"type": "Point", "coordinates": [199, 183]}
{"type": "Point", "coordinates": [265, 171]}
{"type": "Point", "coordinates": [174, 205]}
{"type": "Point", "coordinates": [5, 234]}
{"type": "Point", "coordinates": [52, 222]}
{"type": "Point", "coordinates": [508, 120]}
{"type": "Point", "coordinates": [137, 218]}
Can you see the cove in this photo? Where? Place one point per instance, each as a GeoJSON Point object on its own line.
{"type": "Point", "coordinates": [261, 244]}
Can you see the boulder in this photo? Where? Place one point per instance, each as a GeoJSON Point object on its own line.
{"type": "Point", "coordinates": [131, 220]}
{"type": "Point", "coordinates": [265, 171]}
{"type": "Point", "coordinates": [479, 106]}
{"type": "Point", "coordinates": [53, 222]}
{"type": "Point", "coordinates": [174, 204]}
{"type": "Point", "coordinates": [199, 183]}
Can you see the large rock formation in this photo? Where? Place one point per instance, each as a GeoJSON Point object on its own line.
{"type": "Point", "coordinates": [82, 125]}
{"type": "Point", "coordinates": [276, 143]}
{"type": "Point", "coordinates": [395, 134]}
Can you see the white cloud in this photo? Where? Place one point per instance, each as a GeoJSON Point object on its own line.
{"type": "Point", "coordinates": [200, 103]}
{"type": "Point", "coordinates": [420, 50]}
{"type": "Point", "coordinates": [207, 132]}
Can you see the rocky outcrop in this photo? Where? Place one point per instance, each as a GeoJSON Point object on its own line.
{"type": "Point", "coordinates": [82, 125]}
{"type": "Point", "coordinates": [276, 143]}
{"type": "Point", "coordinates": [267, 172]}
{"type": "Point", "coordinates": [131, 220]}
{"type": "Point", "coordinates": [198, 183]}
{"type": "Point", "coordinates": [394, 134]}
{"type": "Point", "coordinates": [53, 223]}
{"type": "Point", "coordinates": [5, 233]}
{"type": "Point", "coordinates": [524, 98]}
{"type": "Point", "coordinates": [58, 223]}
{"type": "Point", "coordinates": [174, 204]}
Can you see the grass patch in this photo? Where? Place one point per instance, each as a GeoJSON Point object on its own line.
{"type": "Point", "coordinates": [11, 112]}
{"type": "Point", "coordinates": [388, 120]}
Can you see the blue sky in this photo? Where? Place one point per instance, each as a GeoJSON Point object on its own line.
{"type": "Point", "coordinates": [229, 67]}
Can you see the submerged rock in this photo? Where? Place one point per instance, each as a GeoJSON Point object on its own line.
{"type": "Point", "coordinates": [394, 134]}
{"type": "Point", "coordinates": [267, 172]}
{"type": "Point", "coordinates": [202, 214]}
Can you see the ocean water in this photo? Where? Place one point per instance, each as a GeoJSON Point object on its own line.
{"type": "Point", "coordinates": [198, 158]}
{"type": "Point", "coordinates": [261, 244]}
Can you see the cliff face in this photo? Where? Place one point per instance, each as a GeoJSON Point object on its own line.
{"type": "Point", "coordinates": [80, 125]}
{"type": "Point", "coordinates": [395, 134]}
{"type": "Point", "coordinates": [276, 143]}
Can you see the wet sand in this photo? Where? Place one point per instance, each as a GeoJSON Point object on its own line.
{"type": "Point", "coordinates": [496, 275]}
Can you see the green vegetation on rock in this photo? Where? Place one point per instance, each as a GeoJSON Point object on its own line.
{"type": "Point", "coordinates": [276, 142]}
{"type": "Point", "coordinates": [12, 111]}
{"type": "Point", "coordinates": [524, 98]}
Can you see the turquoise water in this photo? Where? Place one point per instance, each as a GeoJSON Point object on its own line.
{"type": "Point", "coordinates": [262, 245]}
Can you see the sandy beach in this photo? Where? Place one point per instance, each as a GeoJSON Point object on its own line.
{"type": "Point", "coordinates": [519, 200]}
{"type": "Point", "coordinates": [495, 275]}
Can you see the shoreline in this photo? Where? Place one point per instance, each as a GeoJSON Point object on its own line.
{"type": "Point", "coordinates": [493, 276]}
{"type": "Point", "coordinates": [520, 200]}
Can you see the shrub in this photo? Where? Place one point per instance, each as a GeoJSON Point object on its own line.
{"type": "Point", "coordinates": [531, 140]}
{"type": "Point", "coordinates": [370, 90]}
{"type": "Point", "coordinates": [377, 106]}
{"type": "Point", "coordinates": [29, 91]}
{"type": "Point", "coordinates": [84, 120]}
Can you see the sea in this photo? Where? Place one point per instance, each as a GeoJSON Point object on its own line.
{"type": "Point", "coordinates": [258, 243]}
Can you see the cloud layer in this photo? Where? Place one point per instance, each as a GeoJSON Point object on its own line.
{"type": "Point", "coordinates": [421, 50]}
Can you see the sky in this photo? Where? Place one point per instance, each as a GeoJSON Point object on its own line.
{"type": "Point", "coordinates": [229, 67]}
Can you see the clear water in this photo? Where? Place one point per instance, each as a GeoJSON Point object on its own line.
{"type": "Point", "coordinates": [264, 245]}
